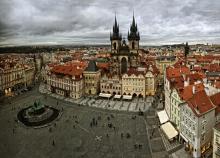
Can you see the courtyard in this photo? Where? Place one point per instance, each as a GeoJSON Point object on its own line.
{"type": "Point", "coordinates": [81, 131]}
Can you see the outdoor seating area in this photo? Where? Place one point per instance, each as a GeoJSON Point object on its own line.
{"type": "Point", "coordinates": [169, 131]}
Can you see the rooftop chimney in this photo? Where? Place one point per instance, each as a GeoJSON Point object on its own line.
{"type": "Point", "coordinates": [193, 89]}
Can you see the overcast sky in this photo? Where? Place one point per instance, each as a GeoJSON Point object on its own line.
{"type": "Point", "coordinates": [27, 22]}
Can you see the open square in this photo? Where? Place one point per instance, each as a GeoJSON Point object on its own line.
{"type": "Point", "coordinates": [81, 131]}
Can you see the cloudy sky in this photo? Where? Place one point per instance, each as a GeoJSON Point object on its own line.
{"type": "Point", "coordinates": [30, 22]}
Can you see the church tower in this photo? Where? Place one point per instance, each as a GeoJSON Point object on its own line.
{"type": "Point", "coordinates": [133, 37]}
{"type": "Point", "coordinates": [115, 38]}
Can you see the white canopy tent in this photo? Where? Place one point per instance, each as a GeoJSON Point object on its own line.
{"type": "Point", "coordinates": [105, 95]}
{"type": "Point", "coordinates": [117, 96]}
{"type": "Point", "coordinates": [128, 97]}
{"type": "Point", "coordinates": [163, 117]}
{"type": "Point", "coordinates": [169, 130]}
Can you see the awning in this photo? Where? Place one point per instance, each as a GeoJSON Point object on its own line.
{"type": "Point", "coordinates": [182, 136]}
{"type": "Point", "coordinates": [128, 97]}
{"type": "Point", "coordinates": [117, 96]}
{"type": "Point", "coordinates": [169, 130]}
{"type": "Point", "coordinates": [105, 95]}
{"type": "Point", "coordinates": [163, 117]}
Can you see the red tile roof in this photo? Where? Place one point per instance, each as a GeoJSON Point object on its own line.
{"type": "Point", "coordinates": [71, 70]}
{"type": "Point", "coordinates": [172, 72]}
{"type": "Point", "coordinates": [187, 92]}
{"type": "Point", "coordinates": [134, 71]}
{"type": "Point", "coordinates": [217, 84]}
{"type": "Point", "coordinates": [216, 101]}
{"type": "Point", "coordinates": [103, 65]}
{"type": "Point", "coordinates": [177, 82]}
{"type": "Point", "coordinates": [200, 103]}
{"type": "Point", "coordinates": [193, 77]}
{"type": "Point", "coordinates": [211, 68]}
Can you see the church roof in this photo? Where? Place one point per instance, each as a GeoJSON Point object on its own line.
{"type": "Point", "coordinates": [92, 67]}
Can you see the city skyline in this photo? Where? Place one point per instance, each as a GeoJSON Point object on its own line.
{"type": "Point", "coordinates": [24, 22]}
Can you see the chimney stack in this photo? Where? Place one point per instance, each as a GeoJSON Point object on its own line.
{"type": "Point", "coordinates": [193, 89]}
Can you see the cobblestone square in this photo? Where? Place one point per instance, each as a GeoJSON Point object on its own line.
{"type": "Point", "coordinates": [81, 131]}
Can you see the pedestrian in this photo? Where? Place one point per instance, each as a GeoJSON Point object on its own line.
{"type": "Point", "coordinates": [50, 130]}
{"type": "Point", "coordinates": [122, 135]}
{"type": "Point", "coordinates": [140, 146]}
{"type": "Point", "coordinates": [114, 128]}
{"type": "Point", "coordinates": [128, 135]}
{"type": "Point", "coordinates": [53, 143]}
{"type": "Point", "coordinates": [108, 118]}
{"type": "Point", "coordinates": [107, 135]}
{"type": "Point", "coordinates": [135, 146]}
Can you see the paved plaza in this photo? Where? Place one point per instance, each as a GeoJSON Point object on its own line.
{"type": "Point", "coordinates": [81, 131]}
{"type": "Point", "coordinates": [134, 105]}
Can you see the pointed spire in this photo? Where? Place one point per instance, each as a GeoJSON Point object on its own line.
{"type": "Point", "coordinates": [115, 34]}
{"type": "Point", "coordinates": [133, 22]}
{"type": "Point", "coordinates": [134, 34]}
{"type": "Point", "coordinates": [116, 20]}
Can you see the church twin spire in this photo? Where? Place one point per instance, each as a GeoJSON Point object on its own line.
{"type": "Point", "coordinates": [132, 35]}
{"type": "Point", "coordinates": [116, 34]}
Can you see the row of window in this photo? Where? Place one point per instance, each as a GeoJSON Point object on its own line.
{"type": "Point", "coordinates": [190, 124]}
{"type": "Point", "coordinates": [89, 84]}
{"type": "Point", "coordinates": [108, 87]}
{"type": "Point", "coordinates": [67, 87]}
{"type": "Point", "coordinates": [189, 134]}
{"type": "Point", "coordinates": [134, 89]}
{"type": "Point", "coordinates": [8, 78]}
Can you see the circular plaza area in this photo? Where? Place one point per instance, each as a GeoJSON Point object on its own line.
{"type": "Point", "coordinates": [37, 115]}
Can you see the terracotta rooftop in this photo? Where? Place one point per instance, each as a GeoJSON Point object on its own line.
{"type": "Point", "coordinates": [187, 92]}
{"type": "Point", "coordinates": [103, 65]}
{"type": "Point", "coordinates": [172, 72]}
{"type": "Point", "coordinates": [217, 84]}
{"type": "Point", "coordinates": [216, 101]}
{"type": "Point", "coordinates": [67, 70]}
{"type": "Point", "coordinates": [177, 82]}
{"type": "Point", "coordinates": [133, 71]}
{"type": "Point", "coordinates": [200, 103]}
{"type": "Point", "coordinates": [193, 77]}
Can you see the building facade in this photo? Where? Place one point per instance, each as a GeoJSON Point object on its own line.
{"type": "Point", "coordinates": [197, 122]}
{"type": "Point", "coordinates": [13, 78]}
{"type": "Point", "coordinates": [66, 80]}
{"type": "Point", "coordinates": [216, 141]}
{"type": "Point", "coordinates": [92, 77]}
{"type": "Point", "coordinates": [132, 84]}
{"type": "Point", "coordinates": [111, 84]}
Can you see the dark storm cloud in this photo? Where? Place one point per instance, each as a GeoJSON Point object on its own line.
{"type": "Point", "coordinates": [75, 21]}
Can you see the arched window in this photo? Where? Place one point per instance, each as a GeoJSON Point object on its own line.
{"type": "Point", "coordinates": [132, 45]}
{"type": "Point", "coordinates": [114, 45]}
